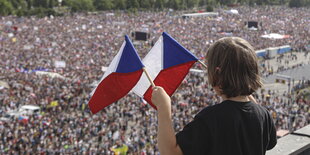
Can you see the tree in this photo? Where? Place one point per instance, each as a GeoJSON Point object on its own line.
{"type": "Point", "coordinates": [20, 7]}
{"type": "Point", "coordinates": [40, 3]}
{"type": "Point", "coordinates": [192, 3]}
{"type": "Point", "coordinates": [53, 3]}
{"type": "Point", "coordinates": [80, 5]}
{"type": "Point", "coordinates": [41, 12]}
{"type": "Point", "coordinates": [29, 4]}
{"type": "Point", "coordinates": [183, 4]}
{"type": "Point", "coordinates": [296, 3]}
{"type": "Point", "coordinates": [159, 4]}
{"type": "Point", "coordinates": [175, 4]}
{"type": "Point", "coordinates": [103, 4]}
{"type": "Point", "coordinates": [226, 2]}
{"type": "Point", "coordinates": [202, 2]}
{"type": "Point", "coordinates": [120, 4]}
{"type": "Point", "coordinates": [209, 8]}
{"type": "Point", "coordinates": [146, 4]}
{"type": "Point", "coordinates": [6, 8]}
{"type": "Point", "coordinates": [212, 3]}
{"type": "Point", "coordinates": [132, 4]}
{"type": "Point", "coordinates": [19, 4]}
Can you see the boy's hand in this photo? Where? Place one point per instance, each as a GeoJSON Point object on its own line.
{"type": "Point", "coordinates": [160, 98]}
{"type": "Point", "coordinates": [167, 142]}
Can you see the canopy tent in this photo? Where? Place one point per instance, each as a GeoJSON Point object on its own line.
{"type": "Point", "coordinates": [275, 36]}
{"type": "Point", "coordinates": [50, 74]}
{"type": "Point", "coordinates": [4, 84]}
{"type": "Point", "coordinates": [203, 14]}
{"type": "Point", "coordinates": [233, 11]}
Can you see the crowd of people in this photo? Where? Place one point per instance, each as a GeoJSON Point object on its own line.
{"type": "Point", "coordinates": [86, 43]}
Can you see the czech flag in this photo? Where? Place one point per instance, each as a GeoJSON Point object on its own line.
{"type": "Point", "coordinates": [168, 63]}
{"type": "Point", "coordinates": [120, 77]}
{"type": "Point", "coordinates": [23, 119]}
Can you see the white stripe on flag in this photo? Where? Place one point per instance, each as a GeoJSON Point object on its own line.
{"type": "Point", "coordinates": [112, 67]}
{"type": "Point", "coordinates": [153, 63]}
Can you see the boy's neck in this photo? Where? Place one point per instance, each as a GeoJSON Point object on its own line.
{"type": "Point", "coordinates": [237, 98]}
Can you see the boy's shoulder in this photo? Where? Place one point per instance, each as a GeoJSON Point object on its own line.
{"type": "Point", "coordinates": [211, 110]}
{"type": "Point", "coordinates": [227, 107]}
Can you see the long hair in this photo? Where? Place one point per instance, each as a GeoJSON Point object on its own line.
{"type": "Point", "coordinates": [233, 67]}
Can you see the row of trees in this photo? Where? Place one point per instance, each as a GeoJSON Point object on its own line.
{"type": "Point", "coordinates": [46, 7]}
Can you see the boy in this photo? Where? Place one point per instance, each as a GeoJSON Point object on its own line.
{"type": "Point", "coordinates": [235, 126]}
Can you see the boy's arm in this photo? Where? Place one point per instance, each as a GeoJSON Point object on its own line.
{"type": "Point", "coordinates": [167, 143]}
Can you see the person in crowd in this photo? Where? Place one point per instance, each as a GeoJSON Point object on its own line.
{"type": "Point", "coordinates": [87, 43]}
{"type": "Point", "coordinates": [237, 125]}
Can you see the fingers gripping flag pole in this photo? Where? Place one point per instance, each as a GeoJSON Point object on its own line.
{"type": "Point", "coordinates": [167, 63]}
{"type": "Point", "coordinates": [121, 76]}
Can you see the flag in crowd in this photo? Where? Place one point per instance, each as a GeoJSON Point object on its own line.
{"type": "Point", "coordinates": [23, 119]}
{"type": "Point", "coordinates": [121, 150]}
{"type": "Point", "coordinates": [168, 62]}
{"type": "Point", "coordinates": [120, 77]}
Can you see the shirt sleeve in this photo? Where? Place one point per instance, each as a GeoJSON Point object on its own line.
{"type": "Point", "coordinates": [272, 134]}
{"type": "Point", "coordinates": [193, 138]}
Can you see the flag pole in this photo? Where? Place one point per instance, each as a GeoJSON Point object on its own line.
{"type": "Point", "coordinates": [148, 77]}
{"type": "Point", "coordinates": [204, 65]}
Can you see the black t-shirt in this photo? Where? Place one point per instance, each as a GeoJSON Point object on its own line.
{"type": "Point", "coordinates": [229, 128]}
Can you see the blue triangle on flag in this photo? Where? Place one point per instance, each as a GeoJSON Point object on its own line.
{"type": "Point", "coordinates": [175, 53]}
{"type": "Point", "coordinates": [130, 60]}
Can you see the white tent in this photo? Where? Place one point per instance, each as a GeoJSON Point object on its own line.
{"type": "Point", "coordinates": [233, 11]}
{"type": "Point", "coordinates": [275, 36]}
{"type": "Point", "coordinates": [4, 84]}
{"type": "Point", "coordinates": [50, 74]}
{"type": "Point", "coordinates": [203, 14]}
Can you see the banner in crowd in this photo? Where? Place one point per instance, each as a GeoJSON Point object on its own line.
{"type": "Point", "coordinates": [122, 150]}
{"type": "Point", "coordinates": [60, 64]}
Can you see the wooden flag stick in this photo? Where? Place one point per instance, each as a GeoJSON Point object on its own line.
{"type": "Point", "coordinates": [148, 77]}
{"type": "Point", "coordinates": [204, 65]}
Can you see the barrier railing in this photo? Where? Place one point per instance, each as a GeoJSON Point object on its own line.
{"type": "Point", "coordinates": [296, 143]}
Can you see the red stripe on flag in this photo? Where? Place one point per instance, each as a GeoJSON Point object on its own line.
{"type": "Point", "coordinates": [112, 88]}
{"type": "Point", "coordinates": [169, 79]}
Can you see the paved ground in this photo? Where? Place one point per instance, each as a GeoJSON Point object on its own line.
{"type": "Point", "coordinates": [296, 74]}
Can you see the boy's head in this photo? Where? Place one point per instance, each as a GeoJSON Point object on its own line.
{"type": "Point", "coordinates": [232, 67]}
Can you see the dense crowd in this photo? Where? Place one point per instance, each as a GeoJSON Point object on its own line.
{"type": "Point", "coordinates": [88, 42]}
